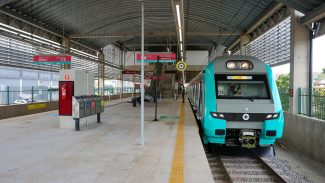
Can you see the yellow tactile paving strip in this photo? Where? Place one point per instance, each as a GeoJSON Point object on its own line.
{"type": "Point", "coordinates": [177, 169]}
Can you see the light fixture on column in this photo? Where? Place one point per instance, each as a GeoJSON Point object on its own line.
{"type": "Point", "coordinates": [179, 20]}
{"type": "Point", "coordinates": [180, 35]}
{"type": "Point", "coordinates": [178, 16]}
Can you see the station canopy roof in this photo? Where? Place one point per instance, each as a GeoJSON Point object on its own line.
{"type": "Point", "coordinates": [102, 22]}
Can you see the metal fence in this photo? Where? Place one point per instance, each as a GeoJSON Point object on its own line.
{"type": "Point", "coordinates": [14, 95]}
{"type": "Point", "coordinates": [317, 106]}
{"type": "Point", "coordinates": [284, 96]}
{"type": "Point", "coordinates": [115, 90]}
{"type": "Point", "coordinates": [11, 95]}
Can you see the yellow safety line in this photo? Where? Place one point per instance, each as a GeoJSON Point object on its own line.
{"type": "Point", "coordinates": [177, 169]}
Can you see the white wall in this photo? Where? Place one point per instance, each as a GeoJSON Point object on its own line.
{"type": "Point", "coordinates": [131, 58]}
{"type": "Point", "coordinates": [196, 57]}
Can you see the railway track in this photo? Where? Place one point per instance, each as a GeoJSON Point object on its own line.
{"type": "Point", "coordinates": [229, 169]}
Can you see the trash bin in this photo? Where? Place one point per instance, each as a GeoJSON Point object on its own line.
{"type": "Point", "coordinates": [134, 101]}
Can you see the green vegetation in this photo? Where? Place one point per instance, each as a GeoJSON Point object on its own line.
{"type": "Point", "coordinates": [283, 82]}
{"type": "Point", "coordinates": [323, 70]}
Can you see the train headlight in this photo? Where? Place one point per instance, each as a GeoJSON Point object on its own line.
{"type": "Point", "coordinates": [217, 115]}
{"type": "Point", "coordinates": [244, 65]}
{"type": "Point", "coordinates": [276, 115]}
{"type": "Point", "coordinates": [269, 116]}
{"type": "Point", "coordinates": [272, 116]}
{"type": "Point", "coordinates": [239, 65]}
{"type": "Point", "coordinates": [231, 65]}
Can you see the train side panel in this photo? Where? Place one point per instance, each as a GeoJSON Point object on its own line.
{"type": "Point", "coordinates": [275, 124]}
{"type": "Point", "coordinates": [211, 125]}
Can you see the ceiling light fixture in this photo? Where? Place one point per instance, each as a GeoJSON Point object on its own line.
{"type": "Point", "coordinates": [178, 16]}
{"type": "Point", "coordinates": [180, 35]}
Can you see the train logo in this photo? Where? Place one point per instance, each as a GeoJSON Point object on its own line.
{"type": "Point", "coordinates": [245, 117]}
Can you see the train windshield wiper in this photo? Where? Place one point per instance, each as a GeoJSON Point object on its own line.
{"type": "Point", "coordinates": [251, 99]}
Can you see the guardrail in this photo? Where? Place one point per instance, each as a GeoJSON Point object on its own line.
{"type": "Point", "coordinates": [314, 109]}
{"type": "Point", "coordinates": [284, 96]}
{"type": "Point", "coordinates": [12, 95]}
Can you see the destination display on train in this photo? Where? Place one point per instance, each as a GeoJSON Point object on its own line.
{"type": "Point", "coordinates": [240, 77]}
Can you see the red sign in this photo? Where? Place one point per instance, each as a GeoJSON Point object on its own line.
{"type": "Point", "coordinates": [154, 57]}
{"type": "Point", "coordinates": [52, 59]}
{"type": "Point", "coordinates": [291, 92]}
{"type": "Point", "coordinates": [129, 72]}
{"type": "Point", "coordinates": [66, 77]}
{"type": "Point", "coordinates": [137, 86]}
{"type": "Point", "coordinates": [155, 77]}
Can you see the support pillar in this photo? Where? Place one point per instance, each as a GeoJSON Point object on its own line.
{"type": "Point", "coordinates": [244, 40]}
{"type": "Point", "coordinates": [101, 73]}
{"type": "Point", "coordinates": [66, 45]}
{"type": "Point", "coordinates": [121, 79]}
{"type": "Point", "coordinates": [299, 59]}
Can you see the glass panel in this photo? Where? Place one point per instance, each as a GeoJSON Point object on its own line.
{"type": "Point", "coordinates": [242, 87]}
{"type": "Point", "coordinates": [248, 89]}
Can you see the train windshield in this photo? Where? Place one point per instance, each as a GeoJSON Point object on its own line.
{"type": "Point", "coordinates": [242, 87]}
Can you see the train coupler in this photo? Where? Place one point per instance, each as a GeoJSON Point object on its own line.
{"type": "Point", "coordinates": [248, 138]}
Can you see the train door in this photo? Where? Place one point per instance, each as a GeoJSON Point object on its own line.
{"type": "Point", "coordinates": [202, 99]}
{"type": "Point", "coordinates": [194, 95]}
{"type": "Point", "coordinates": [199, 100]}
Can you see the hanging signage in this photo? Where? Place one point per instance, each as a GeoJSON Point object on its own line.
{"type": "Point", "coordinates": [154, 57]}
{"type": "Point", "coordinates": [129, 72]}
{"type": "Point", "coordinates": [52, 59]}
{"type": "Point", "coordinates": [137, 86]}
{"type": "Point", "coordinates": [155, 77]}
{"type": "Point", "coordinates": [170, 72]}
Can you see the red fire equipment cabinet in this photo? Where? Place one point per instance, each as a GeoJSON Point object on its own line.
{"type": "Point", "coordinates": [66, 91]}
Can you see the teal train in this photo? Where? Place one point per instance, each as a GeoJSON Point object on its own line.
{"type": "Point", "coordinates": [237, 103]}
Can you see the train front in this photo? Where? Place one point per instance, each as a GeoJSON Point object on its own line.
{"type": "Point", "coordinates": [246, 110]}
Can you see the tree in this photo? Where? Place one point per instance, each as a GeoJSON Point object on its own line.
{"type": "Point", "coordinates": [323, 70]}
{"type": "Point", "coordinates": [283, 81]}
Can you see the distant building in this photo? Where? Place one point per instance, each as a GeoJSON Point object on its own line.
{"type": "Point", "coordinates": [319, 84]}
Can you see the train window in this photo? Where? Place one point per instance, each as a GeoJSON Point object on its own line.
{"type": "Point", "coordinates": [242, 87]}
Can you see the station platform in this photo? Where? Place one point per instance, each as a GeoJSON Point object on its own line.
{"type": "Point", "coordinates": [35, 149]}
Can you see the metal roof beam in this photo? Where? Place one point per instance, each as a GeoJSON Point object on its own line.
{"type": "Point", "coordinates": [154, 34]}
{"type": "Point", "coordinates": [275, 14]}
{"type": "Point", "coordinates": [30, 41]}
{"type": "Point", "coordinates": [314, 15]}
{"type": "Point", "coordinates": [34, 27]}
{"type": "Point", "coordinates": [295, 5]}
{"type": "Point", "coordinates": [3, 2]}
{"type": "Point", "coordinates": [171, 44]}
{"type": "Point", "coordinates": [268, 13]}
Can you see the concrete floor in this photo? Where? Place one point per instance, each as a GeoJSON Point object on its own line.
{"type": "Point", "coordinates": [34, 149]}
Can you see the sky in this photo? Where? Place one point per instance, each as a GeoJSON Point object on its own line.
{"type": "Point", "coordinates": [318, 58]}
